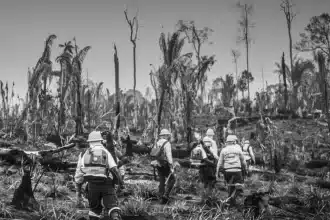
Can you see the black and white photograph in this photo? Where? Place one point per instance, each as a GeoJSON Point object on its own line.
{"type": "Point", "coordinates": [164, 110]}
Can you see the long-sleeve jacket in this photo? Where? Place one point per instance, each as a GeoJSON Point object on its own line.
{"type": "Point", "coordinates": [231, 159]}
{"type": "Point", "coordinates": [166, 154]}
{"type": "Point", "coordinates": [79, 175]}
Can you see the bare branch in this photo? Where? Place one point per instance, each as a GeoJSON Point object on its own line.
{"type": "Point", "coordinates": [133, 23]}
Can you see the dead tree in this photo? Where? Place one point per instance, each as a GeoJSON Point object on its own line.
{"type": "Point", "coordinates": [236, 54]}
{"type": "Point", "coordinates": [134, 27]}
{"type": "Point", "coordinates": [116, 61]}
{"type": "Point", "coordinates": [23, 196]}
{"type": "Point", "coordinates": [245, 26]}
{"type": "Point", "coordinates": [283, 66]}
{"type": "Point", "coordinates": [286, 7]}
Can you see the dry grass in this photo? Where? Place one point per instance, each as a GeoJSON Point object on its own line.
{"type": "Point", "coordinates": [56, 196]}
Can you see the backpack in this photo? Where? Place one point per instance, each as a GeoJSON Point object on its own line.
{"type": "Point", "coordinates": [156, 151]}
{"type": "Point", "coordinates": [247, 151]}
{"type": "Point", "coordinates": [95, 165]}
{"type": "Point", "coordinates": [196, 156]}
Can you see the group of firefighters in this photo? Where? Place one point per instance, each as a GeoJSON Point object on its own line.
{"type": "Point", "coordinates": [99, 166]}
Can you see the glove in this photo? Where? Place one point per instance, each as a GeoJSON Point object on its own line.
{"type": "Point", "coordinates": [172, 170]}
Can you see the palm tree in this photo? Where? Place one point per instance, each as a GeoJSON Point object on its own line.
{"type": "Point", "coordinates": [294, 77]}
{"type": "Point", "coordinates": [65, 60]}
{"type": "Point", "coordinates": [323, 82]}
{"type": "Point", "coordinates": [228, 90]}
{"type": "Point", "coordinates": [43, 67]}
{"type": "Point", "coordinates": [242, 85]}
{"type": "Point", "coordinates": [171, 51]}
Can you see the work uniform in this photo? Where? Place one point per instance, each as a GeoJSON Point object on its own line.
{"type": "Point", "coordinates": [96, 166]}
{"type": "Point", "coordinates": [232, 162]}
{"type": "Point", "coordinates": [206, 166]}
{"type": "Point", "coordinates": [248, 154]}
{"type": "Point", "coordinates": [165, 162]}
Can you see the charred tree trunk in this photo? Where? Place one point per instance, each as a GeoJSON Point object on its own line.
{"type": "Point", "coordinates": [284, 82]}
{"type": "Point", "coordinates": [189, 125]}
{"type": "Point", "coordinates": [116, 61]}
{"type": "Point", "coordinates": [160, 110]}
{"type": "Point", "coordinates": [129, 147]}
{"type": "Point", "coordinates": [89, 110]}
{"type": "Point", "coordinates": [79, 119]}
{"type": "Point", "coordinates": [23, 196]}
{"type": "Point", "coordinates": [134, 85]}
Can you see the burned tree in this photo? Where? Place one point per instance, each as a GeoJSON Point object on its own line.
{"type": "Point", "coordinates": [236, 54]}
{"type": "Point", "coordinates": [286, 7]}
{"type": "Point", "coordinates": [193, 77]}
{"type": "Point", "coordinates": [134, 27]}
{"type": "Point", "coordinates": [284, 82]}
{"type": "Point", "coordinates": [116, 61]}
{"type": "Point", "coordinates": [245, 27]}
{"type": "Point", "coordinates": [317, 39]}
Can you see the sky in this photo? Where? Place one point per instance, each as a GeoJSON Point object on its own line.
{"type": "Point", "coordinates": [25, 24]}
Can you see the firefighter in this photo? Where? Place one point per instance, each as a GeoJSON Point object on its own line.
{"type": "Point", "coordinates": [248, 154]}
{"type": "Point", "coordinates": [210, 140]}
{"type": "Point", "coordinates": [165, 165]}
{"type": "Point", "coordinates": [232, 164]}
{"type": "Point", "coordinates": [97, 167]}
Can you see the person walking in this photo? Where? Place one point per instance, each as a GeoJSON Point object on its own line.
{"type": "Point", "coordinates": [232, 164]}
{"type": "Point", "coordinates": [162, 152]}
{"type": "Point", "coordinates": [248, 155]}
{"type": "Point", "coordinates": [97, 167]}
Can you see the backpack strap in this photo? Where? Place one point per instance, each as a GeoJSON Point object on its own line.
{"type": "Point", "coordinates": [162, 147]}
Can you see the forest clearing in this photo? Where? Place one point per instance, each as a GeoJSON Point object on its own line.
{"type": "Point", "coordinates": [45, 135]}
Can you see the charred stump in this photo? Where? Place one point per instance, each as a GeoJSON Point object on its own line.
{"type": "Point", "coordinates": [23, 196]}
{"type": "Point", "coordinates": [129, 147]}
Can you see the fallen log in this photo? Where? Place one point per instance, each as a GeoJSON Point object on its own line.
{"type": "Point", "coordinates": [18, 156]}
{"type": "Point", "coordinates": [4, 143]}
{"type": "Point", "coordinates": [313, 164]}
{"type": "Point", "coordinates": [177, 152]}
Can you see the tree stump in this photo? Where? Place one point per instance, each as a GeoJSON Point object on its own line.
{"type": "Point", "coordinates": [23, 196]}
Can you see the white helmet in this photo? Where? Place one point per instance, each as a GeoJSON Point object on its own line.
{"type": "Point", "coordinates": [231, 138]}
{"type": "Point", "coordinates": [246, 142]}
{"type": "Point", "coordinates": [95, 136]}
{"type": "Point", "coordinates": [164, 132]}
{"type": "Point", "coordinates": [210, 132]}
{"type": "Point", "coordinates": [207, 140]}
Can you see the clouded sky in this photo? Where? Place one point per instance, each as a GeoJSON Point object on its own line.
{"type": "Point", "coordinates": [99, 23]}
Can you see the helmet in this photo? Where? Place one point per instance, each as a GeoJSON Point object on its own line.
{"type": "Point", "coordinates": [210, 132]}
{"type": "Point", "coordinates": [95, 136]}
{"type": "Point", "coordinates": [231, 138]}
{"type": "Point", "coordinates": [164, 132]}
{"type": "Point", "coordinates": [207, 140]}
{"type": "Point", "coordinates": [115, 213]}
{"type": "Point", "coordinates": [247, 142]}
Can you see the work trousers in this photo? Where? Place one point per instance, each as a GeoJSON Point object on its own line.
{"type": "Point", "coordinates": [233, 178]}
{"type": "Point", "coordinates": [207, 176]}
{"type": "Point", "coordinates": [163, 172]}
{"type": "Point", "coordinates": [101, 197]}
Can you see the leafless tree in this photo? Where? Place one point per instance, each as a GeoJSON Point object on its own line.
{"type": "Point", "coordinates": [286, 7]}
{"type": "Point", "coordinates": [236, 54]}
{"type": "Point", "coordinates": [245, 27]}
{"type": "Point", "coordinates": [134, 28]}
